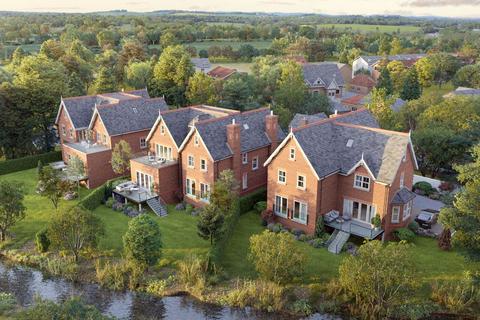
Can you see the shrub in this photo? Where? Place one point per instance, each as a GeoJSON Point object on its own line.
{"type": "Point", "coordinates": [446, 186]}
{"type": "Point", "coordinates": [376, 221]}
{"type": "Point", "coordinates": [425, 187]}
{"type": "Point", "coordinates": [276, 256]}
{"type": "Point", "coordinates": [457, 296]}
{"type": "Point", "coordinates": [142, 241]}
{"type": "Point", "coordinates": [60, 267]}
{"type": "Point", "coordinates": [302, 307]}
{"type": "Point", "coordinates": [110, 275]}
{"type": "Point", "coordinates": [41, 241]}
{"type": "Point", "coordinates": [7, 302]}
{"type": "Point", "coordinates": [445, 240]}
{"type": "Point", "coordinates": [297, 232]}
{"type": "Point", "coordinates": [258, 294]}
{"type": "Point", "coordinates": [260, 206]}
{"type": "Point", "coordinates": [247, 202]}
{"type": "Point", "coordinates": [319, 227]}
{"type": "Point", "coordinates": [159, 286]}
{"type": "Point", "coordinates": [20, 164]}
{"type": "Point", "coordinates": [414, 226]}
{"type": "Point", "coordinates": [109, 203]}
{"type": "Point", "coordinates": [317, 243]}
{"type": "Point", "coordinates": [404, 234]}
{"type": "Point", "coordinates": [192, 272]}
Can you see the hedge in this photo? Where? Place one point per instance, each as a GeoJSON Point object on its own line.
{"type": "Point", "coordinates": [248, 202]}
{"type": "Point", "coordinates": [20, 164]}
{"type": "Point", "coordinates": [94, 198]}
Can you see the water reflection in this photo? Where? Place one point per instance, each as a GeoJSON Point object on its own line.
{"type": "Point", "coordinates": [26, 283]}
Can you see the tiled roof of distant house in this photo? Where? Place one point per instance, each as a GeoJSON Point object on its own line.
{"type": "Point", "coordinates": [356, 100]}
{"type": "Point", "coordinates": [363, 80]}
{"type": "Point", "coordinates": [302, 119]}
{"type": "Point", "coordinates": [252, 133]}
{"type": "Point", "coordinates": [221, 72]}
{"type": "Point", "coordinates": [202, 64]}
{"type": "Point", "coordinates": [463, 91]}
{"type": "Point", "coordinates": [322, 74]}
{"type": "Point", "coordinates": [405, 58]}
{"type": "Point", "coordinates": [80, 109]}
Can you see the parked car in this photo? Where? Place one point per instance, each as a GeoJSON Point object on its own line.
{"type": "Point", "coordinates": [427, 218]}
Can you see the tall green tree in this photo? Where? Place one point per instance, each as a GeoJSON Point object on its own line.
{"type": "Point", "coordinates": [50, 185]}
{"type": "Point", "coordinates": [12, 209]}
{"type": "Point", "coordinates": [468, 76]}
{"type": "Point", "coordinates": [105, 81]}
{"type": "Point", "coordinates": [385, 81]}
{"type": "Point", "coordinates": [210, 223]}
{"type": "Point", "coordinates": [75, 230]}
{"type": "Point", "coordinates": [379, 105]}
{"type": "Point", "coordinates": [291, 86]}
{"type": "Point", "coordinates": [138, 74]}
{"type": "Point", "coordinates": [411, 87]}
{"type": "Point", "coordinates": [237, 93]}
{"type": "Point", "coordinates": [201, 89]}
{"type": "Point", "coordinates": [121, 155]}
{"type": "Point", "coordinates": [464, 216]}
{"type": "Point", "coordinates": [52, 49]}
{"type": "Point", "coordinates": [143, 241]}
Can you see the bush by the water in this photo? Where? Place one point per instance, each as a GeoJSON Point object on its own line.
{"type": "Point", "coordinates": [41, 241]}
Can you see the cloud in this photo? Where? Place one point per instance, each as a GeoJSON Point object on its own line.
{"type": "Point", "coordinates": [278, 3]}
{"type": "Point", "coordinates": [442, 3]}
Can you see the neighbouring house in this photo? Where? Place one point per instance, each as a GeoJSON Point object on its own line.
{"type": "Point", "coordinates": [463, 91]}
{"type": "Point", "coordinates": [91, 126]}
{"type": "Point", "coordinates": [397, 104]}
{"type": "Point", "coordinates": [303, 119]}
{"type": "Point", "coordinates": [355, 101]}
{"type": "Point", "coordinates": [371, 63]}
{"type": "Point", "coordinates": [362, 84]}
{"type": "Point", "coordinates": [221, 73]}
{"type": "Point", "coordinates": [324, 78]}
{"type": "Point", "coordinates": [201, 64]}
{"type": "Point", "coordinates": [160, 168]}
{"type": "Point", "coordinates": [347, 170]}
{"type": "Point", "coordinates": [240, 142]}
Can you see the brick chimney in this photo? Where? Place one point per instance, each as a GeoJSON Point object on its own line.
{"type": "Point", "coordinates": [271, 128]}
{"type": "Point", "coordinates": [233, 140]}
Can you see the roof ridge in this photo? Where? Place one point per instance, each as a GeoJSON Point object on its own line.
{"type": "Point", "coordinates": [321, 121]}
{"type": "Point", "coordinates": [371, 128]}
{"type": "Point", "coordinates": [175, 110]}
{"type": "Point", "coordinates": [232, 115]}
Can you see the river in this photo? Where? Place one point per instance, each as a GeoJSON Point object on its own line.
{"type": "Point", "coordinates": [26, 283]}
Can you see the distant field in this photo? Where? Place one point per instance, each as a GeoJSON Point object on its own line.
{"type": "Point", "coordinates": [235, 44]}
{"type": "Point", "coordinates": [370, 28]}
{"type": "Point", "coordinates": [240, 66]}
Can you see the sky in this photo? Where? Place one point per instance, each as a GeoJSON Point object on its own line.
{"type": "Point", "coordinates": [446, 8]}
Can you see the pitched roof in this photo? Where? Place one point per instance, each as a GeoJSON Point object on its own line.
{"type": "Point", "coordinates": [372, 60]}
{"type": "Point", "coordinates": [356, 100]}
{"type": "Point", "coordinates": [221, 72]}
{"type": "Point", "coordinates": [252, 132]}
{"type": "Point", "coordinates": [363, 80]}
{"type": "Point", "coordinates": [201, 63]}
{"type": "Point", "coordinates": [327, 147]}
{"type": "Point", "coordinates": [397, 105]}
{"type": "Point", "coordinates": [403, 196]}
{"type": "Point", "coordinates": [322, 74]}
{"type": "Point", "coordinates": [302, 119]}
{"type": "Point", "coordinates": [463, 91]}
{"type": "Point", "coordinates": [130, 115]}
{"type": "Point", "coordinates": [80, 109]}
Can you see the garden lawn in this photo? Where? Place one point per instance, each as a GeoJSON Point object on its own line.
{"type": "Point", "coordinates": [178, 230]}
{"type": "Point", "coordinates": [39, 209]}
{"type": "Point", "coordinates": [431, 262]}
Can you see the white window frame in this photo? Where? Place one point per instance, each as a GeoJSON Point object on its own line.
{"type": "Point", "coordinates": [204, 192]}
{"type": "Point", "coordinates": [163, 151]}
{"type": "Point", "coordinates": [361, 180]}
{"type": "Point", "coordinates": [143, 143]}
{"type": "Point", "coordinates": [144, 180]}
{"type": "Point", "coordinates": [407, 210]}
{"type": "Point", "coordinates": [196, 141]}
{"type": "Point", "coordinates": [162, 129]}
{"type": "Point", "coordinates": [190, 186]}
{"type": "Point", "coordinates": [305, 207]}
{"type": "Point", "coordinates": [203, 165]}
{"type": "Point", "coordinates": [99, 137]}
{"type": "Point", "coordinates": [395, 214]}
{"type": "Point", "coordinates": [191, 161]}
{"type": "Point", "coordinates": [304, 182]}
{"type": "Point", "coordinates": [245, 158]}
{"type": "Point", "coordinates": [104, 139]}
{"type": "Point", "coordinates": [284, 176]}
{"type": "Point", "coordinates": [245, 180]}
{"type": "Point", "coordinates": [280, 212]}
{"type": "Point", "coordinates": [292, 155]}
{"type": "Point", "coordinates": [255, 163]}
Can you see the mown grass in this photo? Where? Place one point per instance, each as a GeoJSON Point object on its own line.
{"type": "Point", "coordinates": [370, 27]}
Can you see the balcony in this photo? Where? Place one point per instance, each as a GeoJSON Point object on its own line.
{"type": "Point", "coordinates": [154, 162]}
{"type": "Point", "coordinates": [133, 192]}
{"type": "Point", "coordinates": [87, 147]}
{"type": "Point", "coordinates": [355, 227]}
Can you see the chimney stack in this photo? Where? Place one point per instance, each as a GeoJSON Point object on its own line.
{"type": "Point", "coordinates": [233, 140]}
{"type": "Point", "coordinates": [335, 114]}
{"type": "Point", "coordinates": [271, 128]}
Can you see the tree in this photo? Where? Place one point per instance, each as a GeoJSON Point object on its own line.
{"type": "Point", "coordinates": [107, 39]}
{"type": "Point", "coordinates": [378, 278]}
{"type": "Point", "coordinates": [411, 88]}
{"type": "Point", "coordinates": [385, 81]}
{"type": "Point", "coordinates": [210, 224]}
{"type": "Point", "coordinates": [464, 216]}
{"type": "Point", "coordinates": [397, 72]}
{"type": "Point", "coordinates": [138, 74]}
{"type": "Point", "coordinates": [276, 256]}
{"type": "Point", "coordinates": [237, 93]}
{"type": "Point", "coordinates": [201, 89]}
{"type": "Point", "coordinates": [50, 185]}
{"type": "Point", "coordinates": [425, 69]}
{"type": "Point", "coordinates": [105, 81]}
{"type": "Point", "coordinates": [75, 230]}
{"type": "Point", "coordinates": [384, 45]}
{"type": "Point", "coordinates": [291, 86]}
{"type": "Point", "coordinates": [121, 155]}
{"type": "Point", "coordinates": [468, 76]}
{"type": "Point", "coordinates": [396, 46]}
{"type": "Point", "coordinates": [12, 209]}
{"type": "Point", "coordinates": [167, 40]}
{"type": "Point", "coordinates": [142, 242]}
{"type": "Point", "coordinates": [315, 103]}
{"type": "Point", "coordinates": [379, 105]}
{"type": "Point", "coordinates": [52, 49]}
{"type": "Point", "coordinates": [132, 51]}
{"type": "Point", "coordinates": [76, 170]}
{"type": "Point", "coordinates": [225, 192]}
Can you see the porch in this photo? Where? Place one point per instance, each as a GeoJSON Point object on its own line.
{"type": "Point", "coordinates": [351, 226]}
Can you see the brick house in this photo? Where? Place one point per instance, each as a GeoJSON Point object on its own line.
{"type": "Point", "coordinates": [362, 84]}
{"type": "Point", "coordinates": [221, 73]}
{"type": "Point", "coordinates": [324, 78]}
{"type": "Point", "coordinates": [372, 63]}
{"type": "Point", "coordinates": [91, 126]}
{"type": "Point", "coordinates": [240, 142]}
{"type": "Point", "coordinates": [160, 168]}
{"type": "Point", "coordinates": [346, 169]}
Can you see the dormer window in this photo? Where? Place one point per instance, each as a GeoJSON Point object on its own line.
{"type": "Point", "coordinates": [135, 110]}
{"type": "Point", "coordinates": [362, 182]}
{"type": "Point", "coordinates": [245, 126]}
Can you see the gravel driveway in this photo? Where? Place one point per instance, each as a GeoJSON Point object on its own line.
{"type": "Point", "coordinates": [420, 203]}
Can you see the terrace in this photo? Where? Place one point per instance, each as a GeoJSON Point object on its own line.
{"type": "Point", "coordinates": [87, 147]}
{"type": "Point", "coordinates": [354, 227]}
{"type": "Point", "coordinates": [154, 162]}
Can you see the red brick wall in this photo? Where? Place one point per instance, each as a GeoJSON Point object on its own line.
{"type": "Point", "coordinates": [133, 140]}
{"type": "Point", "coordinates": [256, 178]}
{"type": "Point", "coordinates": [163, 139]}
{"type": "Point", "coordinates": [64, 121]}
{"type": "Point", "coordinates": [98, 127]}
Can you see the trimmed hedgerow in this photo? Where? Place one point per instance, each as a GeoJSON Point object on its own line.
{"type": "Point", "coordinates": [94, 198]}
{"type": "Point", "coordinates": [20, 164]}
{"type": "Point", "coordinates": [248, 202]}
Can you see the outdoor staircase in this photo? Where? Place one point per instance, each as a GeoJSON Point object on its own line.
{"type": "Point", "coordinates": [338, 242]}
{"type": "Point", "coordinates": [157, 206]}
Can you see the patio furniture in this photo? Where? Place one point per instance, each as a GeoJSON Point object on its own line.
{"type": "Point", "coordinates": [331, 216]}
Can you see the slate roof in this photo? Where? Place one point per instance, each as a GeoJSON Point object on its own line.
{"type": "Point", "coordinates": [463, 91]}
{"type": "Point", "coordinates": [403, 196]}
{"type": "Point", "coordinates": [252, 133]}
{"type": "Point", "coordinates": [324, 72]}
{"type": "Point", "coordinates": [80, 109]}
{"type": "Point", "coordinates": [325, 145]}
{"type": "Point", "coordinates": [372, 60]}
{"type": "Point", "coordinates": [202, 63]}
{"type": "Point", "coordinates": [397, 105]}
{"type": "Point", "coordinates": [131, 115]}
{"type": "Point", "coordinates": [299, 118]}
